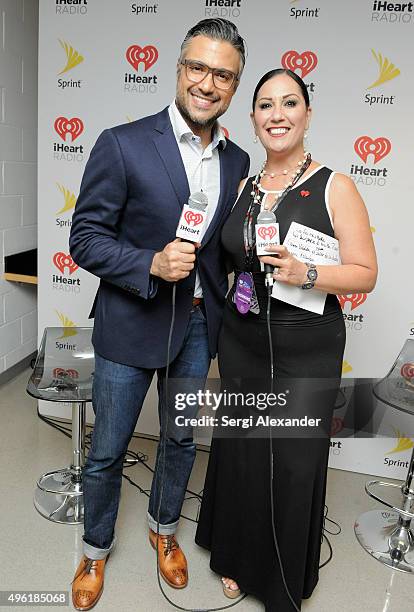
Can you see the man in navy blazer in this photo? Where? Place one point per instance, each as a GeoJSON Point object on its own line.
{"type": "Point", "coordinates": [136, 181]}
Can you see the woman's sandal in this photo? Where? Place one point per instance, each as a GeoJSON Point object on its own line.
{"type": "Point", "coordinates": [228, 591]}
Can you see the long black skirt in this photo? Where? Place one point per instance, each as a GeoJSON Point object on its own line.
{"type": "Point", "coordinates": [235, 521]}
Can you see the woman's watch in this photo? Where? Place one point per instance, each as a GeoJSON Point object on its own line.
{"type": "Point", "coordinates": [311, 275]}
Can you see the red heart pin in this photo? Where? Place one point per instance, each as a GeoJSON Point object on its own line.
{"type": "Point", "coordinates": [304, 193]}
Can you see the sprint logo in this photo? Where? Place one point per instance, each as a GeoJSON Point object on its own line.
{"type": "Point", "coordinates": [301, 13]}
{"type": "Point", "coordinates": [387, 71]}
{"type": "Point", "coordinates": [69, 203]}
{"type": "Point", "coordinates": [403, 444]}
{"type": "Point", "coordinates": [69, 329]}
{"type": "Point", "coordinates": [346, 367]}
{"type": "Point", "coordinates": [69, 199]}
{"type": "Point", "coordinates": [73, 59]}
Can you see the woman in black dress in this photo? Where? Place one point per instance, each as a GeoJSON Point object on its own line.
{"type": "Point", "coordinates": [236, 514]}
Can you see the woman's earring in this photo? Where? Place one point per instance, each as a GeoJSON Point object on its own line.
{"type": "Point", "coordinates": [255, 139]}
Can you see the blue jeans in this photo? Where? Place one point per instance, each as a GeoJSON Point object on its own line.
{"type": "Point", "coordinates": [118, 394]}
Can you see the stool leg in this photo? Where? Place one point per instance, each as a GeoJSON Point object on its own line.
{"type": "Point", "coordinates": [407, 487]}
{"type": "Point", "coordinates": [59, 495]}
{"type": "Point", "coordinates": [78, 439]}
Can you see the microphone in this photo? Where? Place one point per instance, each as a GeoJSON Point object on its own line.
{"type": "Point", "coordinates": [193, 218]}
{"type": "Point", "coordinates": [267, 234]}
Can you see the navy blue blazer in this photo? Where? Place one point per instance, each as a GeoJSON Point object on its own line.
{"type": "Point", "coordinates": [130, 201]}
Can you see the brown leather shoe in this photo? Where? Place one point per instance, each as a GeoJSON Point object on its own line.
{"type": "Point", "coordinates": [88, 583]}
{"type": "Point", "coordinates": [171, 560]}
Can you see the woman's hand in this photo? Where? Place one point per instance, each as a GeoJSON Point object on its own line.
{"type": "Point", "coordinates": [357, 272]}
{"type": "Point", "coordinates": [288, 269]}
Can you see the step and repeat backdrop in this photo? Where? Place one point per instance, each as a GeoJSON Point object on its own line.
{"type": "Point", "coordinates": [106, 62]}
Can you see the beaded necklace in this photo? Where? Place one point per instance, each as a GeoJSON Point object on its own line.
{"type": "Point", "coordinates": [303, 164]}
{"type": "Point", "coordinates": [256, 201]}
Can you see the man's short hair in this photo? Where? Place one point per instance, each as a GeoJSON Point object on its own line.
{"type": "Point", "coordinates": [217, 29]}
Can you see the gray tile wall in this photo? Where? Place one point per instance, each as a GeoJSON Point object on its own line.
{"type": "Point", "coordinates": [18, 169]}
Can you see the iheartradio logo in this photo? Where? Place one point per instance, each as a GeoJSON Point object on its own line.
{"type": "Point", "coordinates": [267, 233]}
{"type": "Point", "coordinates": [305, 62]}
{"type": "Point", "coordinates": [407, 372]}
{"type": "Point", "coordinates": [137, 55]}
{"type": "Point", "coordinates": [355, 299]}
{"type": "Point", "coordinates": [62, 373]}
{"type": "Point", "coordinates": [68, 127]}
{"type": "Point", "coordinates": [193, 218]}
{"type": "Point", "coordinates": [378, 147]}
{"type": "Point", "coordinates": [62, 261]}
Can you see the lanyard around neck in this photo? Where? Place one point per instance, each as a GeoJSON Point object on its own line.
{"type": "Point", "coordinates": [249, 236]}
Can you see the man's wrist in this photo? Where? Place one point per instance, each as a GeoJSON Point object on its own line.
{"type": "Point", "coordinates": [154, 270]}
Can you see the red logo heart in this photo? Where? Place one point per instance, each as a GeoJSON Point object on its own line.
{"type": "Point", "coordinates": [64, 126]}
{"type": "Point", "coordinates": [407, 371]}
{"type": "Point", "coordinates": [337, 425]}
{"type": "Point", "coordinates": [137, 55]}
{"type": "Point", "coordinates": [305, 193]}
{"type": "Point", "coordinates": [193, 218]}
{"type": "Point", "coordinates": [62, 261]}
{"type": "Point", "coordinates": [305, 62]}
{"type": "Point", "coordinates": [355, 299]}
{"type": "Point", "coordinates": [267, 232]}
{"type": "Point", "coordinates": [378, 147]}
{"type": "Point", "coordinates": [62, 373]}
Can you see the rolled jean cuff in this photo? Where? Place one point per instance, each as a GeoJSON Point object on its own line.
{"type": "Point", "coordinates": [164, 529]}
{"type": "Point", "coordinates": [97, 553]}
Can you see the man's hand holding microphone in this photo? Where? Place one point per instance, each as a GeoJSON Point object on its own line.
{"type": "Point", "coordinates": [177, 259]}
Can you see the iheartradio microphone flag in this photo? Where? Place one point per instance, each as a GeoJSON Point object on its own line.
{"type": "Point", "coordinates": [193, 218]}
{"type": "Point", "coordinates": [267, 232]}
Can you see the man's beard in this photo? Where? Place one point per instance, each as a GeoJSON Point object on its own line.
{"type": "Point", "coordinates": [196, 121]}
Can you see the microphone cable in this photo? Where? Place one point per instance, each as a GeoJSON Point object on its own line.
{"type": "Point", "coordinates": [141, 458]}
{"type": "Point", "coordinates": [165, 417]}
{"type": "Point", "coordinates": [272, 501]}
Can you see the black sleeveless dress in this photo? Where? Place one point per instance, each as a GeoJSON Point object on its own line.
{"type": "Point", "coordinates": [235, 517]}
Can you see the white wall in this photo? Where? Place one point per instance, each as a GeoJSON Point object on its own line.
{"type": "Point", "coordinates": [18, 169]}
{"type": "Point", "coordinates": [361, 89]}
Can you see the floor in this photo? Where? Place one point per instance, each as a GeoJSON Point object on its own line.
{"type": "Point", "coordinates": [39, 555]}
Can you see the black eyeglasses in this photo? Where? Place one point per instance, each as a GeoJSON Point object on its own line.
{"type": "Point", "coordinates": [197, 72]}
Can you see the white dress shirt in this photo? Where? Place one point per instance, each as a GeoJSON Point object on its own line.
{"type": "Point", "coordinates": [202, 166]}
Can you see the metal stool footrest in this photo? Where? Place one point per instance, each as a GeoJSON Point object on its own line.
{"type": "Point", "coordinates": [391, 495]}
{"type": "Point", "coordinates": [66, 481]}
